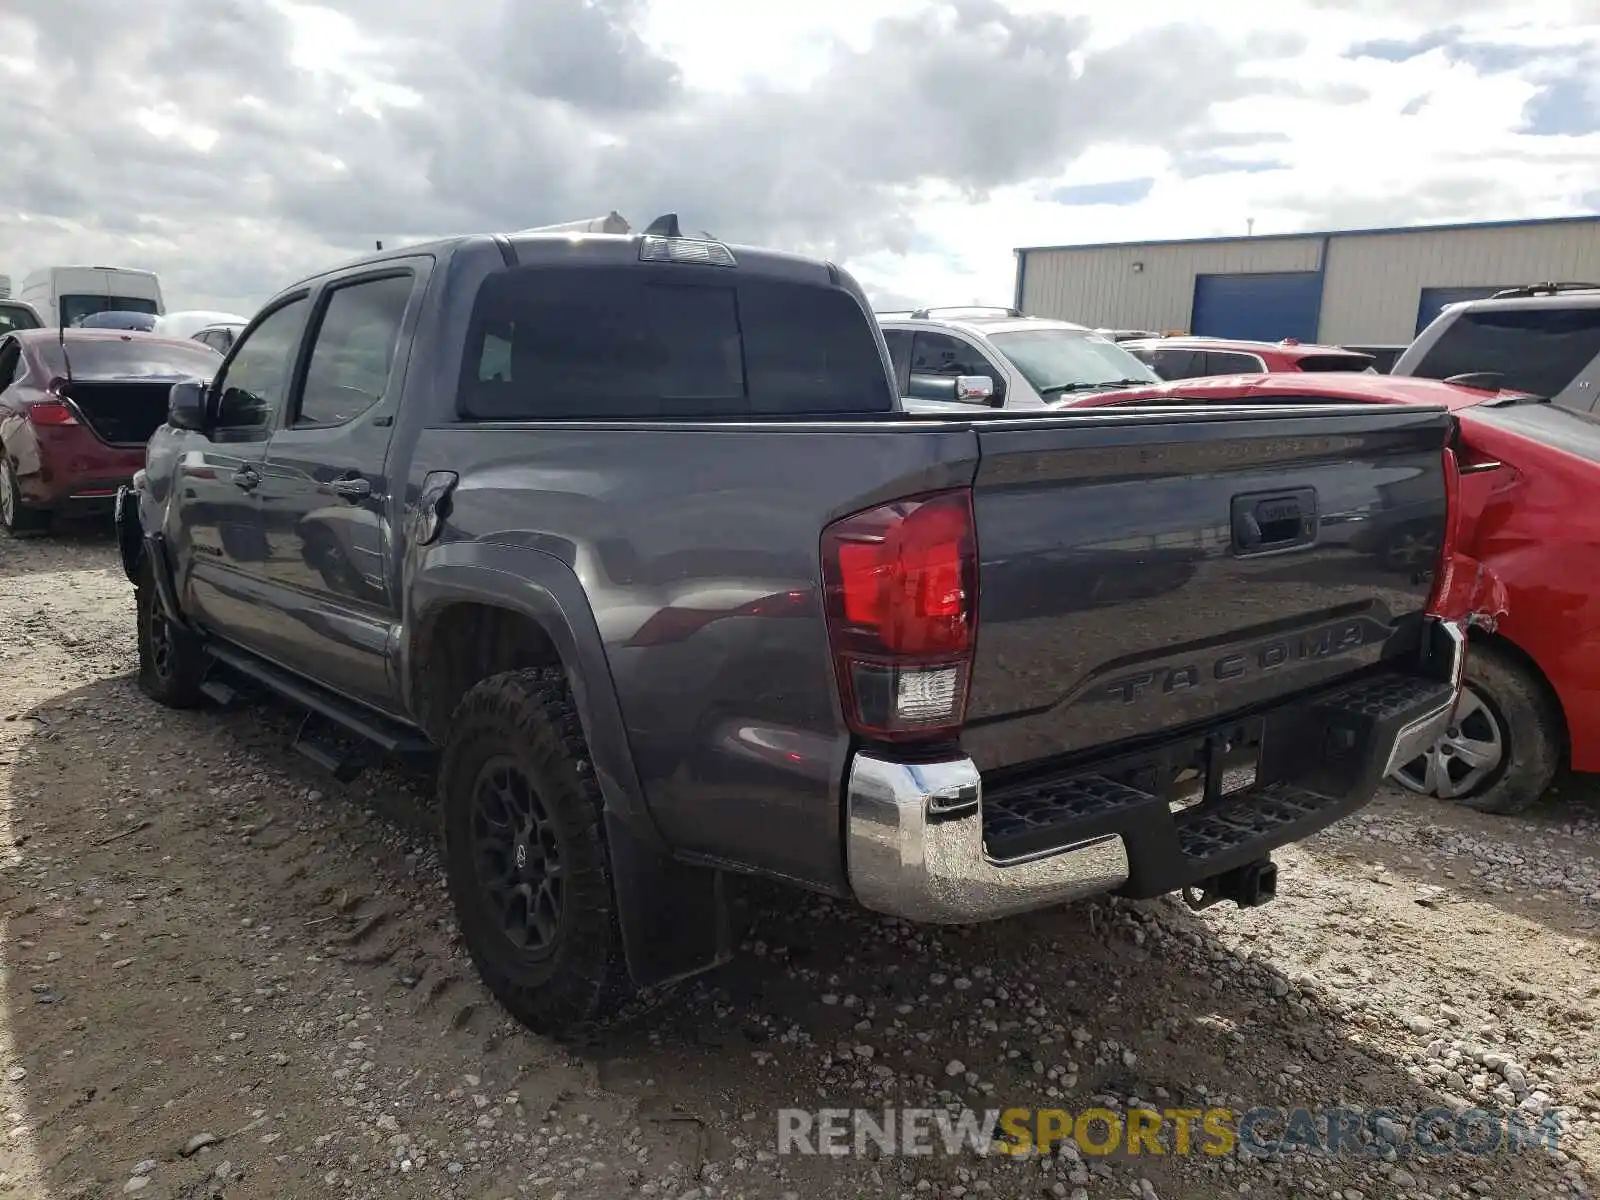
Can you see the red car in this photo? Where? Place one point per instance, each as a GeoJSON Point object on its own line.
{"type": "Point", "coordinates": [1530, 512]}
{"type": "Point", "coordinates": [1176, 358]}
{"type": "Point", "coordinates": [76, 409]}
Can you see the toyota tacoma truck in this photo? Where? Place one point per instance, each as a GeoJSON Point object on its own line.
{"type": "Point", "coordinates": [633, 532]}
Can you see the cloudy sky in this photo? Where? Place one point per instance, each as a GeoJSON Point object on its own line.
{"type": "Point", "coordinates": [234, 145]}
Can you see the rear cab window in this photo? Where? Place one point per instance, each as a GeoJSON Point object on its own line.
{"type": "Point", "coordinates": [641, 342]}
{"type": "Point", "coordinates": [1535, 350]}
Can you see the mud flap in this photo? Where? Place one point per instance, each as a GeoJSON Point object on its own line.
{"type": "Point", "coordinates": [674, 917]}
{"type": "Point", "coordinates": [161, 571]}
{"type": "Point", "coordinates": [130, 534]}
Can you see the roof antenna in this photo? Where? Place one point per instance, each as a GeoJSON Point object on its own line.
{"type": "Point", "coordinates": [665, 225]}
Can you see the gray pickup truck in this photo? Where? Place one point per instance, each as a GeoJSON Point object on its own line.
{"type": "Point", "coordinates": [632, 532]}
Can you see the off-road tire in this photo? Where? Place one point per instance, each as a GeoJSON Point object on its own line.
{"type": "Point", "coordinates": [529, 718]}
{"type": "Point", "coordinates": [172, 677]}
{"type": "Point", "coordinates": [1530, 724]}
{"type": "Point", "coordinates": [15, 519]}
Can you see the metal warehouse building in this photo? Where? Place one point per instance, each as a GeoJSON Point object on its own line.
{"type": "Point", "coordinates": [1361, 287]}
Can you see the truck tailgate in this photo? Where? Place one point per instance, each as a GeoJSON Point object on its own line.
{"type": "Point", "coordinates": [1145, 571]}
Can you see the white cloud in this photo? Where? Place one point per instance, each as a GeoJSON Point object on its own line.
{"type": "Point", "coordinates": [235, 145]}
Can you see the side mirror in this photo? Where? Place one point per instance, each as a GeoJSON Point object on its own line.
{"type": "Point", "coordinates": [974, 389]}
{"type": "Point", "coordinates": [186, 405]}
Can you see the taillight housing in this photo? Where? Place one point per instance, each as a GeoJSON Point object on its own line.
{"type": "Point", "coordinates": [900, 588]}
{"type": "Point", "coordinates": [1439, 602]}
{"type": "Point", "coordinates": [51, 412]}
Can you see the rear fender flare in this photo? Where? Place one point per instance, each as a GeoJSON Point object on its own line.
{"type": "Point", "coordinates": [673, 916]}
{"type": "Point", "coordinates": [544, 589]}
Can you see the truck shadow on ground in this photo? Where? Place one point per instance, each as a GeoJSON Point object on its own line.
{"type": "Point", "coordinates": [204, 934]}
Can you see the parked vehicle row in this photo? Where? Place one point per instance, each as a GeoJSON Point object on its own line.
{"type": "Point", "coordinates": [1521, 371]}
{"type": "Point", "coordinates": [639, 534]}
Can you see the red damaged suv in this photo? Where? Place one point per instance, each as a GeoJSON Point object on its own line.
{"type": "Point", "coordinates": [1530, 517]}
{"type": "Point", "coordinates": [76, 409]}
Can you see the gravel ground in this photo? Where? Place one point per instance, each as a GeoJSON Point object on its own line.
{"type": "Point", "coordinates": [227, 975]}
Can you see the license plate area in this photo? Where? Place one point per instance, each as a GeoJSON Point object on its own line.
{"type": "Point", "coordinates": [1223, 764]}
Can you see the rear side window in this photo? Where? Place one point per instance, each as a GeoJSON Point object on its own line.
{"type": "Point", "coordinates": [641, 342]}
{"type": "Point", "coordinates": [1536, 350]}
{"type": "Point", "coordinates": [1334, 362]}
{"type": "Point", "coordinates": [14, 316]}
{"type": "Point", "coordinates": [1176, 364]}
{"type": "Point", "coordinates": [1219, 362]}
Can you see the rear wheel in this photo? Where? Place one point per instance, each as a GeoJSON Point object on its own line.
{"type": "Point", "coordinates": [17, 519]}
{"type": "Point", "coordinates": [1503, 748]}
{"type": "Point", "coordinates": [525, 853]}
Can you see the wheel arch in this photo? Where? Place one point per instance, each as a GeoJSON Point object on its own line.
{"type": "Point", "coordinates": [1479, 638]}
{"type": "Point", "coordinates": [478, 609]}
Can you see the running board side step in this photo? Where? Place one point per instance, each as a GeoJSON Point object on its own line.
{"type": "Point", "coordinates": [342, 764]}
{"type": "Point", "coordinates": [391, 737]}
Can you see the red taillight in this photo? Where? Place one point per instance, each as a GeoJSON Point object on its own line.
{"type": "Point", "coordinates": [900, 584]}
{"type": "Point", "coordinates": [51, 412]}
{"type": "Point", "coordinates": [1444, 574]}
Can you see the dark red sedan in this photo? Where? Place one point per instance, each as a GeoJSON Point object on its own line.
{"type": "Point", "coordinates": [1530, 513]}
{"type": "Point", "coordinates": [76, 409]}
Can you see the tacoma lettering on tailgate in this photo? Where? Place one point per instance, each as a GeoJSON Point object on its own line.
{"type": "Point", "coordinates": [1325, 641]}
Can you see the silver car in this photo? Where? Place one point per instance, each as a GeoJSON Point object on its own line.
{"type": "Point", "coordinates": [1543, 339]}
{"type": "Point", "coordinates": [998, 358]}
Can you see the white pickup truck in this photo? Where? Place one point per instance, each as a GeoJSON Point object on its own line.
{"type": "Point", "coordinates": [998, 358]}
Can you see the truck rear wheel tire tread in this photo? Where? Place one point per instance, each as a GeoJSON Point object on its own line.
{"type": "Point", "coordinates": [172, 663]}
{"type": "Point", "coordinates": [527, 720]}
{"type": "Point", "coordinates": [1531, 726]}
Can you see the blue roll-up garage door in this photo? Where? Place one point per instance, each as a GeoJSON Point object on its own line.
{"type": "Point", "coordinates": [1263, 307]}
{"type": "Point", "coordinates": [1434, 299]}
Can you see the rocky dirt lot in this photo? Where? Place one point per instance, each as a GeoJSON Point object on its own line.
{"type": "Point", "coordinates": [227, 975]}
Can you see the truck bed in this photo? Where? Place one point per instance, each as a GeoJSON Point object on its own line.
{"type": "Point", "coordinates": [1106, 547]}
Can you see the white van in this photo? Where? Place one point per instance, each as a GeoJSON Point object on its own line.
{"type": "Point", "coordinates": [66, 295]}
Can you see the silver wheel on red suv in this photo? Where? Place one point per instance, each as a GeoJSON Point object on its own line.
{"type": "Point", "coordinates": [1504, 746]}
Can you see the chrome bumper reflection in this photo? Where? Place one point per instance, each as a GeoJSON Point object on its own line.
{"type": "Point", "coordinates": [915, 849]}
{"type": "Point", "coordinates": [1418, 735]}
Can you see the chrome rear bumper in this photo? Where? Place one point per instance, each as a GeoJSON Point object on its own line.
{"type": "Point", "coordinates": [916, 849]}
{"type": "Point", "coordinates": [915, 840]}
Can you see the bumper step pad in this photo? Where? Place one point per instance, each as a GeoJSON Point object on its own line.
{"type": "Point", "coordinates": [1320, 761]}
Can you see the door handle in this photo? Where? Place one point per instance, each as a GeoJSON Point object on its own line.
{"type": "Point", "coordinates": [351, 489]}
{"type": "Point", "coordinates": [246, 478]}
{"type": "Point", "coordinates": [1267, 522]}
